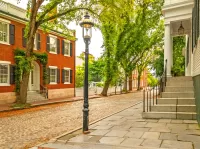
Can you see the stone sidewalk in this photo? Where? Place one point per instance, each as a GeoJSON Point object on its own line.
{"type": "Point", "coordinates": [127, 130]}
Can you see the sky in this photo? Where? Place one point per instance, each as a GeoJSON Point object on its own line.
{"type": "Point", "coordinates": [96, 40]}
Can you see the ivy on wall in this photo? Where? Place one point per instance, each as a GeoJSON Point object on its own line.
{"type": "Point", "coordinates": [22, 63]}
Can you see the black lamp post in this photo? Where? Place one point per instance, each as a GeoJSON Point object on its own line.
{"type": "Point", "coordinates": [86, 25]}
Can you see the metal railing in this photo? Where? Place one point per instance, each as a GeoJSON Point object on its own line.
{"type": "Point", "coordinates": [150, 96]}
{"type": "Point", "coordinates": [44, 91]}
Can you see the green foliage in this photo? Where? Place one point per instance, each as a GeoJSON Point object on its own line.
{"type": "Point", "coordinates": [99, 84]}
{"type": "Point", "coordinates": [79, 76]}
{"type": "Point", "coordinates": [21, 106]}
{"type": "Point", "coordinates": [151, 80]}
{"type": "Point", "coordinates": [178, 68]}
{"type": "Point", "coordinates": [24, 64]}
{"type": "Point", "coordinates": [158, 62]}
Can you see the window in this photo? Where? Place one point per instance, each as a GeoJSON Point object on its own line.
{"type": "Point", "coordinates": [3, 32]}
{"type": "Point", "coordinates": [4, 74]}
{"type": "Point", "coordinates": [53, 44]}
{"type": "Point", "coordinates": [67, 76]}
{"type": "Point", "coordinates": [53, 75]}
{"type": "Point", "coordinates": [67, 48]}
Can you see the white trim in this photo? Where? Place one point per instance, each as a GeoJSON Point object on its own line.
{"type": "Point", "coordinates": [53, 83]}
{"type": "Point", "coordinates": [4, 84]}
{"type": "Point", "coordinates": [6, 43]}
{"type": "Point", "coordinates": [66, 68]}
{"type": "Point", "coordinates": [67, 40]}
{"type": "Point", "coordinates": [52, 52]}
{"type": "Point", "coordinates": [5, 62]}
{"type": "Point", "coordinates": [67, 55]}
{"type": "Point", "coordinates": [53, 36]}
{"type": "Point", "coordinates": [8, 64]}
{"type": "Point", "coordinates": [53, 67]}
{"type": "Point", "coordinates": [6, 21]}
{"type": "Point", "coordinates": [67, 83]}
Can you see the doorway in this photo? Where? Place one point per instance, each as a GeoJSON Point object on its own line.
{"type": "Point", "coordinates": [34, 78]}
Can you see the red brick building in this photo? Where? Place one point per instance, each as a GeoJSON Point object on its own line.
{"type": "Point", "coordinates": [61, 57]}
{"type": "Point", "coordinates": [143, 80]}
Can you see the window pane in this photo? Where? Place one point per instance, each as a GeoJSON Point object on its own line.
{"type": "Point", "coordinates": [67, 76]}
{"type": "Point", "coordinates": [3, 73]}
{"type": "Point", "coordinates": [53, 75]}
{"type": "Point", "coordinates": [53, 43]}
{"type": "Point", "coordinates": [66, 48]}
{"type": "Point", "coordinates": [3, 32]}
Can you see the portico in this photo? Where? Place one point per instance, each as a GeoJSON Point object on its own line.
{"type": "Point", "coordinates": [177, 12]}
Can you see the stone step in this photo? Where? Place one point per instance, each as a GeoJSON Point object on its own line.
{"type": "Point", "coordinates": [179, 89]}
{"type": "Point", "coordinates": [179, 101]}
{"type": "Point", "coordinates": [35, 96]}
{"type": "Point", "coordinates": [177, 95]}
{"type": "Point", "coordinates": [183, 78]}
{"type": "Point", "coordinates": [170, 115]}
{"type": "Point", "coordinates": [173, 108]}
{"type": "Point", "coordinates": [180, 83]}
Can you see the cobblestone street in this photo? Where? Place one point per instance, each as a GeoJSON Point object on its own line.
{"type": "Point", "coordinates": [29, 129]}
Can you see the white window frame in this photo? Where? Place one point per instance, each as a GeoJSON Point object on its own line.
{"type": "Point", "coordinates": [67, 69]}
{"type": "Point", "coordinates": [52, 36]}
{"type": "Point", "coordinates": [55, 68]}
{"type": "Point", "coordinates": [35, 42]}
{"type": "Point", "coordinates": [8, 64]}
{"type": "Point", "coordinates": [68, 42]}
{"type": "Point", "coordinates": [8, 32]}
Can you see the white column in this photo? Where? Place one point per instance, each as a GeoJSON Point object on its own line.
{"type": "Point", "coordinates": [168, 50]}
{"type": "Point", "coordinates": [188, 70]}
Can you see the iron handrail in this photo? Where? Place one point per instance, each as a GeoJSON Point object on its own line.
{"type": "Point", "coordinates": [44, 90]}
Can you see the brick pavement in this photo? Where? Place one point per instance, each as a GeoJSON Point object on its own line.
{"type": "Point", "coordinates": [29, 129]}
{"type": "Point", "coordinates": [127, 130]}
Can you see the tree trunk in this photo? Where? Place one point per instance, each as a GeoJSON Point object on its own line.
{"type": "Point", "coordinates": [29, 52]}
{"type": "Point", "coordinates": [130, 82]}
{"type": "Point", "coordinates": [105, 88]}
{"type": "Point", "coordinates": [125, 84]}
{"type": "Point", "coordinates": [23, 88]}
{"type": "Point", "coordinates": [139, 77]}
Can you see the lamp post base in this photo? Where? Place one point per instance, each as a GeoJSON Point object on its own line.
{"type": "Point", "coordinates": [85, 120]}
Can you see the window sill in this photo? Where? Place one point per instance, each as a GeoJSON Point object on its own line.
{"type": "Point", "coordinates": [52, 83]}
{"type": "Point", "coordinates": [52, 52]}
{"type": "Point", "coordinates": [6, 43]}
{"type": "Point", "coordinates": [67, 55]}
{"type": "Point", "coordinates": [67, 83]}
{"type": "Point", "coordinates": [4, 84]}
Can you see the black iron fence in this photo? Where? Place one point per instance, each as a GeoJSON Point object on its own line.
{"type": "Point", "coordinates": [150, 96]}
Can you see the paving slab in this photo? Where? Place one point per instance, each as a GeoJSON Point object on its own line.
{"type": "Point", "coordinates": [151, 143]}
{"type": "Point", "coordinates": [140, 129]}
{"type": "Point", "coordinates": [131, 142]}
{"type": "Point", "coordinates": [177, 121]}
{"type": "Point", "coordinates": [190, 121]}
{"type": "Point", "coordinates": [81, 138]}
{"type": "Point", "coordinates": [99, 132]}
{"type": "Point", "coordinates": [193, 126]}
{"type": "Point", "coordinates": [151, 135]}
{"type": "Point", "coordinates": [164, 120]}
{"type": "Point", "coordinates": [150, 124]}
{"type": "Point", "coordinates": [111, 140]}
{"type": "Point", "coordinates": [160, 129]}
{"type": "Point", "coordinates": [168, 136]}
{"type": "Point", "coordinates": [103, 127]}
{"type": "Point", "coordinates": [134, 134]}
{"type": "Point", "coordinates": [176, 144]}
{"type": "Point", "coordinates": [191, 138]}
{"type": "Point", "coordinates": [117, 133]}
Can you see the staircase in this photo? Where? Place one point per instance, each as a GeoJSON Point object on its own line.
{"type": "Point", "coordinates": [176, 102]}
{"type": "Point", "coordinates": [33, 96]}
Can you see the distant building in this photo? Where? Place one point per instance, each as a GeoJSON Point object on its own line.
{"type": "Point", "coordinates": [143, 80]}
